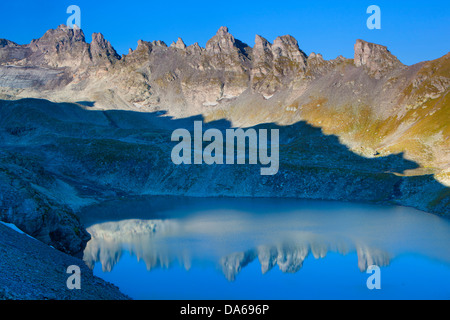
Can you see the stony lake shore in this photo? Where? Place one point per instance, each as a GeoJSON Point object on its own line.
{"type": "Point", "coordinates": [32, 270]}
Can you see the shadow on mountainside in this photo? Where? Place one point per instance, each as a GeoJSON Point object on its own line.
{"type": "Point", "coordinates": [56, 156]}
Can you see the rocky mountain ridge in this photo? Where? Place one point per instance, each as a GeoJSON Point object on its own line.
{"type": "Point", "coordinates": [228, 79]}
{"type": "Point", "coordinates": [231, 66]}
{"type": "Point", "coordinates": [80, 124]}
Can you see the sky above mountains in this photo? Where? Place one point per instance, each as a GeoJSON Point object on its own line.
{"type": "Point", "coordinates": [412, 30]}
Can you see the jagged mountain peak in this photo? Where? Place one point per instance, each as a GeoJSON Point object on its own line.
{"type": "Point", "coordinates": [375, 57]}
{"type": "Point", "coordinates": [195, 48]}
{"type": "Point", "coordinates": [314, 55]}
{"type": "Point", "coordinates": [223, 41]}
{"type": "Point", "coordinates": [179, 44]}
{"type": "Point", "coordinates": [98, 37]}
{"type": "Point", "coordinates": [66, 27]}
{"type": "Point", "coordinates": [143, 45]}
{"type": "Point", "coordinates": [287, 47]}
{"type": "Point", "coordinates": [7, 43]}
{"type": "Point", "coordinates": [288, 39]}
{"type": "Point", "coordinates": [222, 31]}
{"type": "Point", "coordinates": [261, 42]}
{"type": "Point", "coordinates": [63, 32]}
{"type": "Point", "coordinates": [102, 48]}
{"type": "Point", "coordinates": [262, 51]}
{"type": "Point", "coordinates": [159, 43]}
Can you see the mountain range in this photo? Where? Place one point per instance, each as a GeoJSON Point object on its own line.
{"type": "Point", "coordinates": [80, 124]}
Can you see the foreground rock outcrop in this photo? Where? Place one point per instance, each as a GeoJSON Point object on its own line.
{"type": "Point", "coordinates": [32, 270]}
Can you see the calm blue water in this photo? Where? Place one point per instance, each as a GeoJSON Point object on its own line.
{"type": "Point", "coordinates": [188, 248]}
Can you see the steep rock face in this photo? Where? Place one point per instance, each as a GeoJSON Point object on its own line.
{"type": "Point", "coordinates": [262, 77]}
{"type": "Point", "coordinates": [276, 65]}
{"type": "Point", "coordinates": [197, 77]}
{"type": "Point", "coordinates": [317, 65]}
{"type": "Point", "coordinates": [228, 61]}
{"type": "Point", "coordinates": [102, 50]}
{"type": "Point", "coordinates": [33, 78]}
{"type": "Point", "coordinates": [11, 52]}
{"type": "Point", "coordinates": [286, 48]}
{"type": "Point", "coordinates": [262, 52]}
{"type": "Point", "coordinates": [61, 47]}
{"type": "Point", "coordinates": [224, 45]}
{"type": "Point", "coordinates": [376, 58]}
{"type": "Point", "coordinates": [142, 52]}
{"type": "Point", "coordinates": [38, 214]}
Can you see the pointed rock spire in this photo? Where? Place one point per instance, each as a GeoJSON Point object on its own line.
{"type": "Point", "coordinates": [287, 46]}
{"type": "Point", "coordinates": [223, 31]}
{"type": "Point", "coordinates": [314, 56]}
{"type": "Point", "coordinates": [144, 46]}
{"type": "Point", "coordinates": [159, 43]}
{"type": "Point", "coordinates": [261, 42]}
{"type": "Point", "coordinates": [194, 48]}
{"type": "Point", "coordinates": [224, 43]}
{"type": "Point", "coordinates": [262, 63]}
{"type": "Point", "coordinates": [102, 48]}
{"type": "Point", "coordinates": [262, 49]}
{"type": "Point", "coordinates": [179, 44]}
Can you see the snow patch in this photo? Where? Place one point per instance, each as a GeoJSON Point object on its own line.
{"type": "Point", "coordinates": [210, 104]}
{"type": "Point", "coordinates": [139, 106]}
{"type": "Point", "coordinates": [14, 227]}
{"type": "Point", "coordinates": [227, 96]}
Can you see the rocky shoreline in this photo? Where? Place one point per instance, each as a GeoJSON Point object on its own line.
{"type": "Point", "coordinates": [32, 270]}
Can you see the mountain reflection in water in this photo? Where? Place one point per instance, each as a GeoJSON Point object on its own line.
{"type": "Point", "coordinates": [232, 233]}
